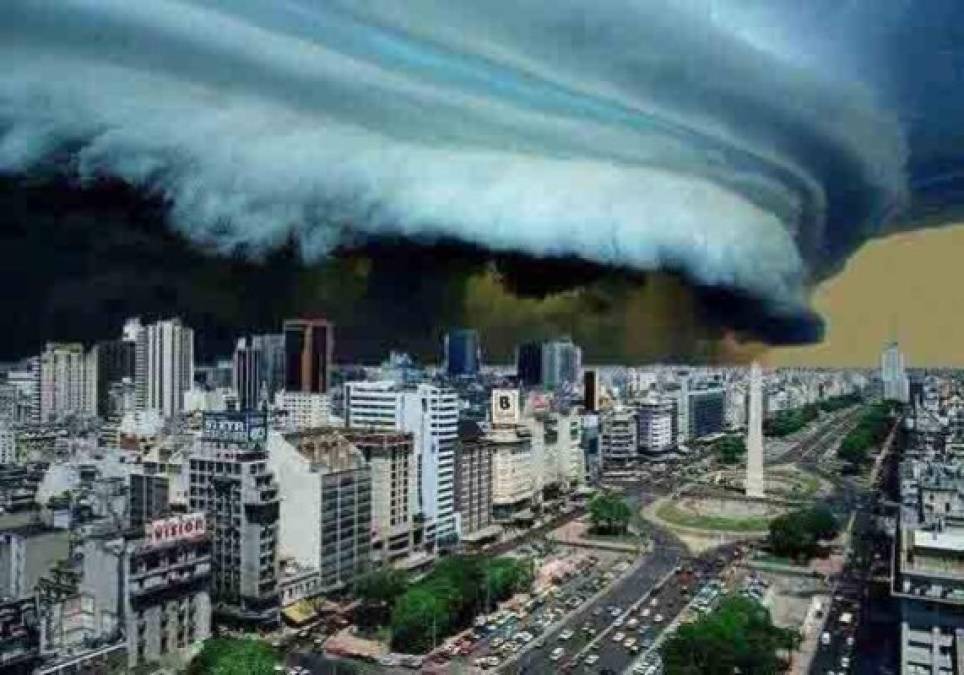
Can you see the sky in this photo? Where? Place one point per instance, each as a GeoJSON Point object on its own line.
{"type": "Point", "coordinates": [659, 178]}
{"type": "Point", "coordinates": [908, 286]}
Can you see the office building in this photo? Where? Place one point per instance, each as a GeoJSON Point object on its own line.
{"type": "Point", "coordinates": [27, 552]}
{"type": "Point", "coordinates": [154, 582]}
{"type": "Point", "coordinates": [8, 442]}
{"type": "Point", "coordinates": [115, 365]}
{"type": "Point", "coordinates": [326, 510]}
{"type": "Point", "coordinates": [590, 387]}
{"type": "Point", "coordinates": [391, 458]}
{"type": "Point", "coordinates": [618, 433]}
{"type": "Point", "coordinates": [473, 480]}
{"type": "Point", "coordinates": [553, 364]}
{"type": "Point", "coordinates": [893, 374]}
{"type": "Point", "coordinates": [303, 410]}
{"type": "Point", "coordinates": [231, 482]}
{"type": "Point", "coordinates": [149, 497]}
{"type": "Point", "coordinates": [462, 353]}
{"type": "Point", "coordinates": [25, 378]}
{"type": "Point", "coordinates": [706, 411]}
{"type": "Point", "coordinates": [68, 382]}
{"type": "Point", "coordinates": [431, 414]}
{"type": "Point", "coordinates": [258, 370]}
{"type": "Point", "coordinates": [513, 474]}
{"type": "Point", "coordinates": [655, 419]}
{"type": "Point", "coordinates": [163, 365]}
{"type": "Point", "coordinates": [309, 346]}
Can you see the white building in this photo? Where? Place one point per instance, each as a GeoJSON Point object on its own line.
{"type": "Point", "coordinates": [431, 414]}
{"type": "Point", "coordinates": [655, 426]}
{"type": "Point", "coordinates": [68, 381]}
{"type": "Point", "coordinates": [618, 445]}
{"type": "Point", "coordinates": [514, 477]}
{"type": "Point", "coordinates": [8, 443]}
{"type": "Point", "coordinates": [304, 410]}
{"type": "Point", "coordinates": [163, 365]}
{"type": "Point", "coordinates": [894, 375]}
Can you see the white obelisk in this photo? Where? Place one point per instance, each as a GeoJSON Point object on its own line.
{"type": "Point", "coordinates": [754, 435]}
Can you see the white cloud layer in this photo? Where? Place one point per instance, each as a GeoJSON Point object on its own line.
{"type": "Point", "coordinates": [624, 132]}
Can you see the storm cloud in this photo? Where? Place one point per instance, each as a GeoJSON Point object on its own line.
{"type": "Point", "coordinates": [705, 137]}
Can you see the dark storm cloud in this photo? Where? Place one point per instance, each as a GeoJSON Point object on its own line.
{"type": "Point", "coordinates": [748, 145]}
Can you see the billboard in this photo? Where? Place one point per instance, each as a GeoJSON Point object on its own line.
{"type": "Point", "coordinates": [505, 406]}
{"type": "Point", "coordinates": [176, 528]}
{"type": "Point", "coordinates": [235, 427]}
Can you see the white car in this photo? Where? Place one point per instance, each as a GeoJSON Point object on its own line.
{"type": "Point", "coordinates": [619, 637]}
{"type": "Point", "coordinates": [566, 635]}
{"type": "Point", "coordinates": [557, 654]}
{"type": "Point", "coordinates": [618, 622]}
{"type": "Point", "coordinates": [591, 659]}
{"type": "Point", "coordinates": [658, 618]}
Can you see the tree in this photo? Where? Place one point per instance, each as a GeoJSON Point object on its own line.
{"type": "Point", "coordinates": [798, 533]}
{"type": "Point", "coordinates": [378, 591]}
{"type": "Point", "coordinates": [609, 513]}
{"type": "Point", "coordinates": [730, 449]}
{"type": "Point", "coordinates": [229, 656]}
{"type": "Point", "coordinates": [738, 636]}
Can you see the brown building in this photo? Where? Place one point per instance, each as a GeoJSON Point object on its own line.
{"type": "Point", "coordinates": [309, 345]}
{"type": "Point", "coordinates": [473, 482]}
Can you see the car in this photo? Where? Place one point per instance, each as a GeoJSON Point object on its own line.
{"type": "Point", "coordinates": [844, 662]}
{"type": "Point", "coordinates": [850, 640]}
{"type": "Point", "coordinates": [645, 613]}
{"type": "Point", "coordinates": [497, 642]}
{"type": "Point", "coordinates": [614, 611]}
{"type": "Point", "coordinates": [632, 623]}
{"type": "Point", "coordinates": [618, 622]}
{"type": "Point", "coordinates": [629, 643]}
{"type": "Point", "coordinates": [658, 618]}
{"type": "Point", "coordinates": [566, 635]}
{"type": "Point", "coordinates": [591, 659]}
{"type": "Point", "coordinates": [825, 638]}
{"type": "Point", "coordinates": [619, 637]}
{"type": "Point", "coordinates": [654, 602]}
{"type": "Point", "coordinates": [557, 654]}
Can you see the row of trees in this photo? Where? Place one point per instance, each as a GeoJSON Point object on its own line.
{"type": "Point", "coordinates": [787, 422]}
{"type": "Point", "coordinates": [737, 637]}
{"type": "Point", "coordinates": [870, 432]}
{"type": "Point", "coordinates": [446, 600]}
{"type": "Point", "coordinates": [797, 534]}
{"type": "Point", "coordinates": [609, 514]}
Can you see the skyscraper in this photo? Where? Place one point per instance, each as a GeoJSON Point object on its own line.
{"type": "Point", "coordinates": [309, 344]}
{"type": "Point", "coordinates": [462, 355]}
{"type": "Point", "coordinates": [553, 364]}
{"type": "Point", "coordinates": [115, 363]}
{"type": "Point", "coordinates": [754, 435]}
{"type": "Point", "coordinates": [431, 414]}
{"type": "Point", "coordinates": [590, 385]}
{"type": "Point", "coordinates": [529, 364]}
{"type": "Point", "coordinates": [68, 381]}
{"type": "Point", "coordinates": [893, 374]}
{"type": "Point", "coordinates": [163, 365]}
{"type": "Point", "coordinates": [247, 373]}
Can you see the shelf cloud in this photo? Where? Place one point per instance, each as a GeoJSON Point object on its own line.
{"type": "Point", "coordinates": [749, 146]}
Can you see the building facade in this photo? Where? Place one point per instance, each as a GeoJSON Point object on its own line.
{"type": "Point", "coordinates": [309, 347]}
{"type": "Point", "coordinates": [230, 481]}
{"type": "Point", "coordinates": [618, 446]}
{"type": "Point", "coordinates": [462, 354]}
{"type": "Point", "coordinates": [68, 382]}
{"type": "Point", "coordinates": [163, 365]}
{"type": "Point", "coordinates": [707, 411]}
{"type": "Point", "coordinates": [655, 424]}
{"type": "Point", "coordinates": [473, 479]}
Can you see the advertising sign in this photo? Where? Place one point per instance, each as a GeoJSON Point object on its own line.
{"type": "Point", "coordinates": [175, 528]}
{"type": "Point", "coordinates": [505, 406]}
{"type": "Point", "coordinates": [235, 427]}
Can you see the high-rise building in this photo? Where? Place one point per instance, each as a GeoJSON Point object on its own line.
{"type": "Point", "coordinates": [154, 582]}
{"type": "Point", "coordinates": [309, 345]}
{"type": "Point", "coordinates": [431, 414]}
{"type": "Point", "coordinates": [618, 446]}
{"type": "Point", "coordinates": [514, 487]}
{"type": "Point", "coordinates": [231, 482]}
{"type": "Point", "coordinates": [8, 442]}
{"type": "Point", "coordinates": [529, 364]}
{"type": "Point", "coordinates": [303, 410]}
{"type": "Point", "coordinates": [326, 513]}
{"type": "Point", "coordinates": [258, 369]}
{"type": "Point", "coordinates": [68, 381]}
{"type": "Point", "coordinates": [655, 424]}
{"type": "Point", "coordinates": [163, 365]}
{"type": "Point", "coordinates": [115, 363]}
{"type": "Point", "coordinates": [149, 497]}
{"type": "Point", "coordinates": [707, 411]}
{"type": "Point", "coordinates": [553, 364]}
{"type": "Point", "coordinates": [462, 353]}
{"type": "Point", "coordinates": [893, 374]}
{"type": "Point", "coordinates": [561, 364]}
{"type": "Point", "coordinates": [391, 458]}
{"type": "Point", "coordinates": [590, 387]}
{"type": "Point", "coordinates": [473, 479]}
